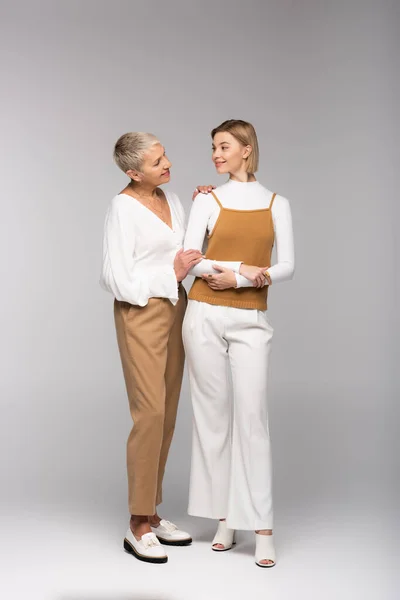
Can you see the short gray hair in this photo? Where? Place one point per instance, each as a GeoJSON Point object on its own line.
{"type": "Point", "coordinates": [130, 149]}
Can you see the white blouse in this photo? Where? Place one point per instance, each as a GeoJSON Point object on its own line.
{"type": "Point", "coordinates": [139, 250]}
{"type": "Point", "coordinates": [242, 196]}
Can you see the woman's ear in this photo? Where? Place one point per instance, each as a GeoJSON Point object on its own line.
{"type": "Point", "coordinates": [248, 151]}
{"type": "Point", "coordinates": [134, 175]}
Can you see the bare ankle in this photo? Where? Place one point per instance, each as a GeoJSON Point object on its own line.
{"type": "Point", "coordinates": [138, 522]}
{"type": "Point", "coordinates": [264, 531]}
{"type": "Point", "coordinates": [136, 519]}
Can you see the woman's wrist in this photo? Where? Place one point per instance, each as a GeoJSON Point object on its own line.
{"type": "Point", "coordinates": [178, 276]}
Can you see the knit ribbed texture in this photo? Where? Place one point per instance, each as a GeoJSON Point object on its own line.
{"type": "Point", "coordinates": [238, 235]}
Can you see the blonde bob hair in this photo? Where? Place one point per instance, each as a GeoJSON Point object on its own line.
{"type": "Point", "coordinates": [245, 133]}
{"type": "Point", "coordinates": [130, 149]}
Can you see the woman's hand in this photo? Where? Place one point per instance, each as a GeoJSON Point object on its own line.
{"type": "Point", "coordinates": [224, 280]}
{"type": "Point", "coordinates": [184, 261]}
{"type": "Point", "coordinates": [254, 274]}
{"type": "Point", "coordinates": [203, 189]}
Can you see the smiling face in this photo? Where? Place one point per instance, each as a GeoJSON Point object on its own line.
{"type": "Point", "coordinates": [155, 169]}
{"type": "Point", "coordinates": [229, 155]}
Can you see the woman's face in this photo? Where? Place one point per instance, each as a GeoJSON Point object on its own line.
{"type": "Point", "coordinates": [228, 153]}
{"type": "Point", "coordinates": [155, 167]}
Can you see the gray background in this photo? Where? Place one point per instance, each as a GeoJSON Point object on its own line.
{"type": "Point", "coordinates": [318, 81]}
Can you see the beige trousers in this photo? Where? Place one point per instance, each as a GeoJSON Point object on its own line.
{"type": "Point", "coordinates": [152, 355]}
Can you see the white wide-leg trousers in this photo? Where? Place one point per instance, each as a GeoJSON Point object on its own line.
{"type": "Point", "coordinates": [227, 353]}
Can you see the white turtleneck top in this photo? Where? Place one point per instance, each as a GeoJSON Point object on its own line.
{"type": "Point", "coordinates": [242, 196]}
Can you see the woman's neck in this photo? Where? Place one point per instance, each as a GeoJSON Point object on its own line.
{"type": "Point", "coordinates": [143, 190]}
{"type": "Point", "coordinates": [242, 177]}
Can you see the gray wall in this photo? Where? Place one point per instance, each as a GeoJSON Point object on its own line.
{"type": "Point", "coordinates": [317, 80]}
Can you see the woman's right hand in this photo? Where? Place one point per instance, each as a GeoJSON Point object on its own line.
{"type": "Point", "coordinates": [254, 274]}
{"type": "Point", "coordinates": [184, 261]}
{"type": "Point", "coordinates": [203, 189]}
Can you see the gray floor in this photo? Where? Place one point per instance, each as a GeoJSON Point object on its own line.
{"type": "Point", "coordinates": [50, 556]}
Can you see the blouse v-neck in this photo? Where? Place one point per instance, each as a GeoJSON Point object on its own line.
{"type": "Point", "coordinates": [171, 212]}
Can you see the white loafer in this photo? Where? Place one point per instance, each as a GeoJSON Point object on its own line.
{"type": "Point", "coordinates": [224, 536]}
{"type": "Point", "coordinates": [169, 534]}
{"type": "Point", "coordinates": [147, 549]}
{"type": "Point", "coordinates": [265, 550]}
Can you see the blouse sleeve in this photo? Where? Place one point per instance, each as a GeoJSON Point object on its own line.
{"type": "Point", "coordinates": [283, 269]}
{"type": "Point", "coordinates": [120, 275]}
{"type": "Point", "coordinates": [198, 225]}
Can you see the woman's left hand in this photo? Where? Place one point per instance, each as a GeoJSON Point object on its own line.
{"type": "Point", "coordinates": [224, 280]}
{"type": "Point", "coordinates": [203, 189]}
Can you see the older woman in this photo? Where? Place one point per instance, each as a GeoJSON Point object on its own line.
{"type": "Point", "coordinates": [143, 266]}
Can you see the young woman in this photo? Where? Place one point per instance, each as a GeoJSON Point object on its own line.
{"type": "Point", "coordinates": [227, 337]}
{"type": "Point", "coordinates": [143, 266]}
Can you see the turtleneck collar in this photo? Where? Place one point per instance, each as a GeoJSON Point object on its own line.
{"type": "Point", "coordinates": [233, 182]}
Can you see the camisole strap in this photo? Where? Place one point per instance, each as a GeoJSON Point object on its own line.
{"type": "Point", "coordinates": [272, 200]}
{"type": "Point", "coordinates": [216, 200]}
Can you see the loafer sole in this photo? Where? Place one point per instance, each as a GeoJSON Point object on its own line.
{"type": "Point", "coordinates": [150, 559]}
{"type": "Point", "coordinates": [165, 542]}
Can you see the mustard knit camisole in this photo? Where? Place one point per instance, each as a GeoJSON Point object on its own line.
{"type": "Point", "coordinates": [238, 235]}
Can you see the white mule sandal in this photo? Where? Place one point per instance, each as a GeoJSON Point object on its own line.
{"type": "Point", "coordinates": [224, 536]}
{"type": "Point", "coordinates": [265, 550]}
{"type": "Point", "coordinates": [147, 549]}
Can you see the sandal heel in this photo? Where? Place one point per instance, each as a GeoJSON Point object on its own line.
{"type": "Point", "coordinates": [224, 536]}
{"type": "Point", "coordinates": [265, 550]}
